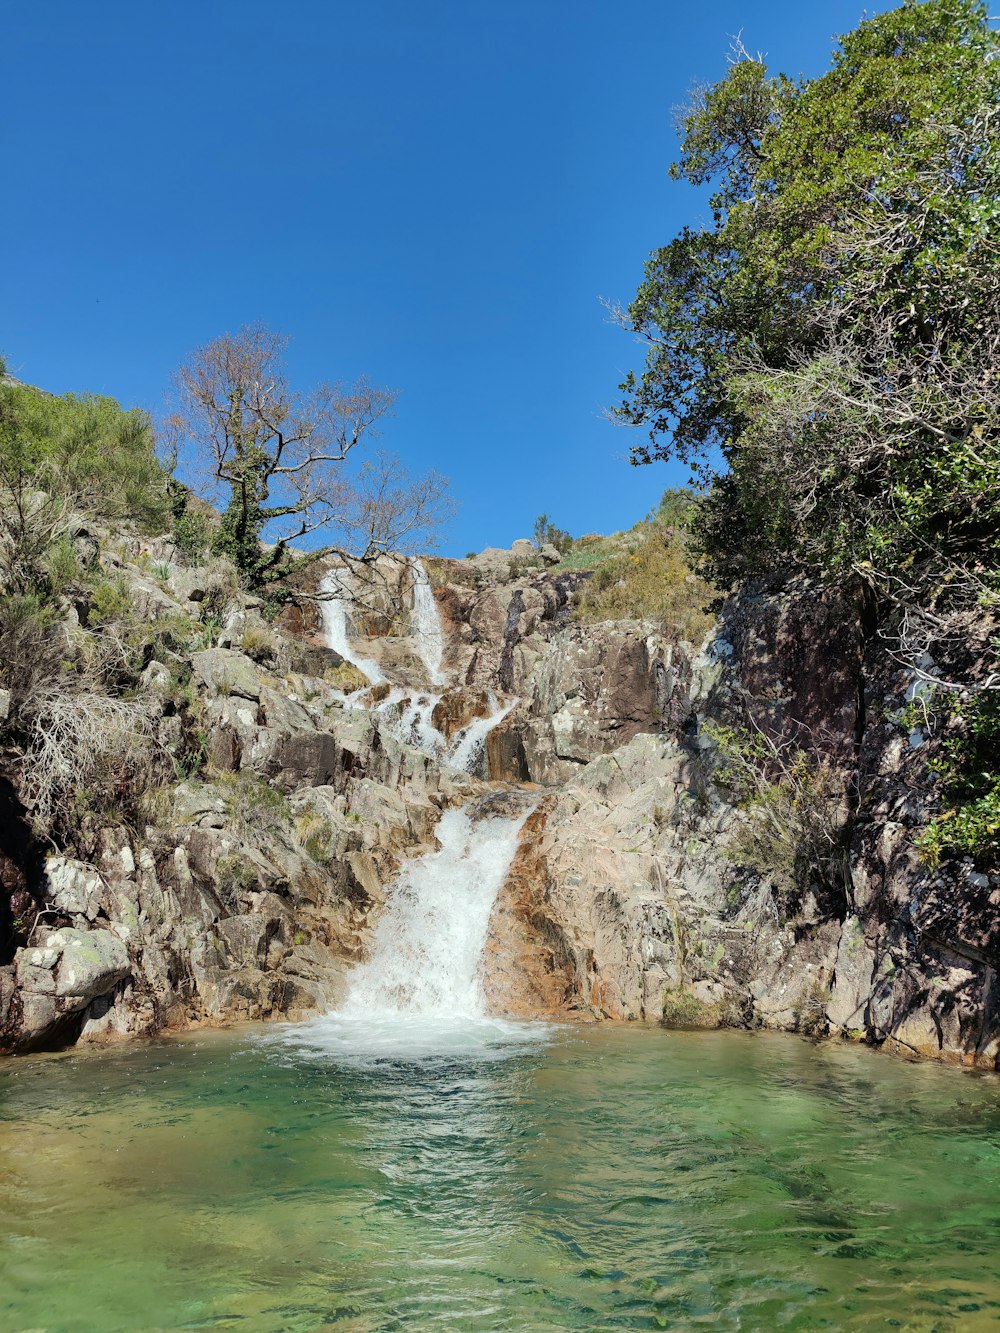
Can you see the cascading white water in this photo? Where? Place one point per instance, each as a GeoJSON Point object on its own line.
{"type": "Point", "coordinates": [429, 942]}
{"type": "Point", "coordinates": [467, 750]}
{"type": "Point", "coordinates": [426, 625]}
{"type": "Point", "coordinates": [407, 715]}
{"type": "Point", "coordinates": [334, 614]}
{"type": "Point", "coordinates": [420, 993]}
{"type": "Point", "coordinates": [409, 719]}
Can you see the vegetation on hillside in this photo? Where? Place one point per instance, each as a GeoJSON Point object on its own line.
{"type": "Point", "coordinates": [645, 573]}
{"type": "Point", "coordinates": [834, 335]}
{"type": "Point", "coordinates": [86, 450]}
{"type": "Point", "coordinates": [824, 355]}
{"type": "Point", "coordinates": [67, 463]}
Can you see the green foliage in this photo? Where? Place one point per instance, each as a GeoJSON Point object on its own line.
{"type": "Point", "coordinates": [110, 600]}
{"type": "Point", "coordinates": [795, 831]}
{"type": "Point", "coordinates": [317, 837]}
{"type": "Point", "coordinates": [234, 877]}
{"type": "Point", "coordinates": [88, 450]}
{"type": "Point", "coordinates": [645, 573]}
{"type": "Point", "coordinates": [588, 552]}
{"type": "Point", "coordinates": [192, 533]}
{"type": "Point", "coordinates": [682, 1009]}
{"type": "Point", "coordinates": [832, 335]}
{"type": "Point", "coordinates": [969, 767]}
{"type": "Point", "coordinates": [545, 533]}
{"type": "Point", "coordinates": [254, 808]}
{"type": "Point", "coordinates": [28, 646]}
{"type": "Point", "coordinates": [62, 565]}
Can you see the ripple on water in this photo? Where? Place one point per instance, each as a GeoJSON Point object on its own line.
{"type": "Point", "coordinates": [495, 1176]}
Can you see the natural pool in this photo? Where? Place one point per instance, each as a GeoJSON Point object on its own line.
{"type": "Point", "coordinates": [597, 1178]}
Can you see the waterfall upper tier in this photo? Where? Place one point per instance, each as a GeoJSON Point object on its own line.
{"type": "Point", "coordinates": [414, 715]}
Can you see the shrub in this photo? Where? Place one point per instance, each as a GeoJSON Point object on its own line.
{"type": "Point", "coordinates": [254, 808]}
{"type": "Point", "coordinates": [316, 836]}
{"type": "Point", "coordinates": [192, 533]}
{"type": "Point", "coordinates": [650, 580]}
{"type": "Point", "coordinates": [969, 768]}
{"type": "Point", "coordinates": [645, 573]}
{"type": "Point", "coordinates": [29, 646]}
{"type": "Point", "coordinates": [346, 677]}
{"type": "Point", "coordinates": [110, 599]}
{"type": "Point", "coordinates": [259, 642]}
{"type": "Point", "coordinates": [62, 565]}
{"type": "Point", "coordinates": [84, 747]}
{"type": "Point", "coordinates": [545, 533]}
{"type": "Point", "coordinates": [234, 876]}
{"type": "Point", "coordinates": [682, 1009]}
{"type": "Point", "coordinates": [795, 828]}
{"type": "Point", "coordinates": [88, 450]}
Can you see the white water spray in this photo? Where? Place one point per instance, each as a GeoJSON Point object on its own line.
{"type": "Point", "coordinates": [426, 625]}
{"type": "Point", "coordinates": [334, 614]}
{"type": "Point", "coordinates": [429, 942]}
{"type": "Point", "coordinates": [467, 749]}
{"type": "Point", "coordinates": [420, 994]}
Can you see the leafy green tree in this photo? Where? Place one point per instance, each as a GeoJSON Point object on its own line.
{"type": "Point", "coordinates": [824, 354]}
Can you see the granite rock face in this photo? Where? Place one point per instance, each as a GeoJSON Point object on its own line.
{"type": "Point", "coordinates": [645, 904]}
{"type": "Point", "coordinates": [246, 892]}
{"type": "Point", "coordinates": [250, 889]}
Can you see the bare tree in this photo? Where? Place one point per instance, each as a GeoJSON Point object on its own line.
{"type": "Point", "coordinates": [279, 459]}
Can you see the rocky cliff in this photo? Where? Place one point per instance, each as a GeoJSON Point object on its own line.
{"type": "Point", "coordinates": [247, 886]}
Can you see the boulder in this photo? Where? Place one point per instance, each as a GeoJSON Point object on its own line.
{"type": "Point", "coordinates": [74, 887]}
{"type": "Point", "coordinates": [63, 975]}
{"type": "Point", "coordinates": [223, 671]}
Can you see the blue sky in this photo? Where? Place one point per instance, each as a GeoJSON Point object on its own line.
{"type": "Point", "coordinates": [434, 193]}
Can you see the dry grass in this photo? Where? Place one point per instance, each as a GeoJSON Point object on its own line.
{"type": "Point", "coordinates": [648, 577]}
{"type": "Point", "coordinates": [84, 746]}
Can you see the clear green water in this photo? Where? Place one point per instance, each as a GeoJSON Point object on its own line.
{"type": "Point", "coordinates": [606, 1179]}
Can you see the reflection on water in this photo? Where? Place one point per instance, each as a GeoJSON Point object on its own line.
{"type": "Point", "coordinates": [598, 1178]}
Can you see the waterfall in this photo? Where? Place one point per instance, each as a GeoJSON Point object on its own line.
{"type": "Point", "coordinates": [429, 941]}
{"type": "Point", "coordinates": [426, 625]}
{"type": "Point", "coordinates": [467, 749]}
{"type": "Point", "coordinates": [407, 715]}
{"type": "Point", "coordinates": [334, 614]}
{"type": "Point", "coordinates": [420, 993]}
{"type": "Point", "coordinates": [409, 719]}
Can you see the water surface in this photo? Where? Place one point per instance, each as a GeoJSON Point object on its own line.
{"type": "Point", "coordinates": [297, 1179]}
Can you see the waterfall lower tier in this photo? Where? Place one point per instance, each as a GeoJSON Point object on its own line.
{"type": "Point", "coordinates": [420, 993]}
{"type": "Point", "coordinates": [429, 942]}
